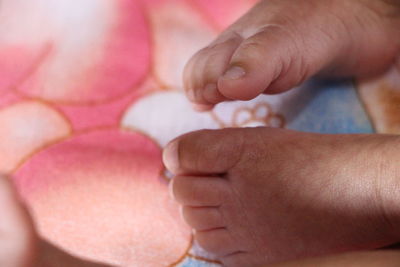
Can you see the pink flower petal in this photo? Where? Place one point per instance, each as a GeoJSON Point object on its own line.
{"type": "Point", "coordinates": [99, 49]}
{"type": "Point", "coordinates": [26, 127]}
{"type": "Point", "coordinates": [178, 31]}
{"type": "Point", "coordinates": [222, 13]}
{"type": "Point", "coordinates": [16, 63]}
{"type": "Point", "coordinates": [10, 98]}
{"type": "Point", "coordinates": [100, 115]}
{"type": "Point", "coordinates": [100, 195]}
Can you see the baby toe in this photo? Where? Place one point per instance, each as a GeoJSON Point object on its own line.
{"type": "Point", "coordinates": [204, 69]}
{"type": "Point", "coordinates": [219, 242]}
{"type": "Point", "coordinates": [199, 191]}
{"type": "Point", "coordinates": [203, 218]}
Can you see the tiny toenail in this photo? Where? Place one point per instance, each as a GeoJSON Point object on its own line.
{"type": "Point", "coordinates": [234, 73]}
{"type": "Point", "coordinates": [202, 107]}
{"type": "Point", "coordinates": [210, 92]}
{"type": "Point", "coordinates": [181, 212]}
{"type": "Point", "coordinates": [190, 94]}
{"type": "Point", "coordinates": [169, 175]}
{"type": "Point", "coordinates": [171, 157]}
{"type": "Point", "coordinates": [171, 190]}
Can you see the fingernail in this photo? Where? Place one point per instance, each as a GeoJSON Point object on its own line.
{"type": "Point", "coordinates": [171, 157]}
{"type": "Point", "coordinates": [234, 73]}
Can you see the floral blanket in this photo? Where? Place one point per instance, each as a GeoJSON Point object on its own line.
{"type": "Point", "coordinates": [90, 93]}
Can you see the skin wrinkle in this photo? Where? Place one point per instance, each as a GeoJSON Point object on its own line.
{"type": "Point", "coordinates": [285, 66]}
{"type": "Point", "coordinates": [230, 37]}
{"type": "Point", "coordinates": [239, 152]}
{"type": "Point", "coordinates": [242, 156]}
{"type": "Point", "coordinates": [281, 67]}
{"type": "Point", "coordinates": [391, 14]}
{"type": "Point", "coordinates": [348, 35]}
{"type": "Point", "coordinates": [245, 216]}
{"type": "Point", "coordinates": [380, 183]}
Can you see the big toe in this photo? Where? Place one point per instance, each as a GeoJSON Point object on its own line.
{"type": "Point", "coordinates": [205, 152]}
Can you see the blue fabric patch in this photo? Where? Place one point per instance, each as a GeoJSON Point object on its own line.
{"type": "Point", "coordinates": [327, 107]}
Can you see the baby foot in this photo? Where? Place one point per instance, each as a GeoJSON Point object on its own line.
{"type": "Point", "coordinates": [262, 195]}
{"type": "Point", "coordinates": [280, 43]}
